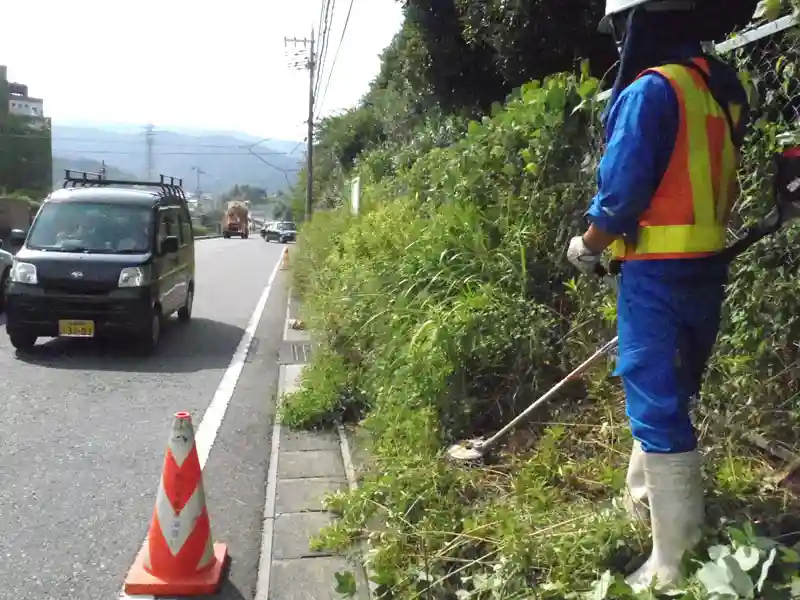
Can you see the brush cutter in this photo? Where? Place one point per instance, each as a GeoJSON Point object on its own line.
{"type": "Point", "coordinates": [786, 195]}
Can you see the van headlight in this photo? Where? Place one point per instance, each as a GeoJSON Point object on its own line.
{"type": "Point", "coordinates": [132, 277]}
{"type": "Point", "coordinates": [22, 272]}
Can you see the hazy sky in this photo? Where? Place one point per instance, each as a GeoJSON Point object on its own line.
{"type": "Point", "coordinates": [212, 65]}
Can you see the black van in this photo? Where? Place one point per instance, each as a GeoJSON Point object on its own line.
{"type": "Point", "coordinates": [103, 258]}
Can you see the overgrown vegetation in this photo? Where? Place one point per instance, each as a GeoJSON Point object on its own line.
{"type": "Point", "coordinates": [200, 230]}
{"type": "Point", "coordinates": [25, 155]}
{"type": "Point", "coordinates": [447, 306]}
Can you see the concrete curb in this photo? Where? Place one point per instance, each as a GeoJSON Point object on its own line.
{"type": "Point", "coordinates": [352, 481]}
{"type": "Point", "coordinates": [351, 476]}
{"type": "Point", "coordinates": [207, 237]}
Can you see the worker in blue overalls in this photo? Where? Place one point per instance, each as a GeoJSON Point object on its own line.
{"type": "Point", "coordinates": [667, 182]}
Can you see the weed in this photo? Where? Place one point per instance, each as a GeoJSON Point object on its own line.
{"type": "Point", "coordinates": [447, 306]}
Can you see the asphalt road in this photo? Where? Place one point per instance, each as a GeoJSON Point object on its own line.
{"type": "Point", "coordinates": [83, 431]}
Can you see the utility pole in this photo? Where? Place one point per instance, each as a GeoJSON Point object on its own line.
{"type": "Point", "coordinates": [149, 136]}
{"type": "Point", "coordinates": [311, 66]}
{"type": "Point", "coordinates": [199, 172]}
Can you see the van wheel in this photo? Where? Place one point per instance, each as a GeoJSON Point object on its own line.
{"type": "Point", "coordinates": [3, 289]}
{"type": "Point", "coordinates": [21, 340]}
{"type": "Point", "coordinates": [149, 341]}
{"type": "Point", "coordinates": [185, 312]}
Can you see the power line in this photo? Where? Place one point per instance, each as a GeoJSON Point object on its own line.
{"type": "Point", "coordinates": [321, 103]}
{"type": "Point", "coordinates": [329, 8]}
{"type": "Point", "coordinates": [79, 140]}
{"type": "Point", "coordinates": [131, 153]}
{"type": "Point", "coordinates": [324, 22]}
{"type": "Point", "coordinates": [311, 65]}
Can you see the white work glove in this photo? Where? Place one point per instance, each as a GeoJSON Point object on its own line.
{"type": "Point", "coordinates": [581, 257]}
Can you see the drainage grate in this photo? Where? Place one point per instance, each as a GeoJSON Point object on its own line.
{"type": "Point", "coordinates": [301, 353]}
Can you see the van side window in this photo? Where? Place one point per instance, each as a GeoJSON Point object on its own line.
{"type": "Point", "coordinates": [167, 225]}
{"type": "Point", "coordinates": [186, 227]}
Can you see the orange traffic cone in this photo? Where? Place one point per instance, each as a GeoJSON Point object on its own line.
{"type": "Point", "coordinates": [178, 557]}
{"type": "Point", "coordinates": [285, 259]}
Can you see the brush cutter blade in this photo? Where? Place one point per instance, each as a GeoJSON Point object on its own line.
{"type": "Point", "coordinates": [470, 450]}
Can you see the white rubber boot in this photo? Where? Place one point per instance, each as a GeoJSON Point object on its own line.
{"type": "Point", "coordinates": [634, 497]}
{"type": "Point", "coordinates": [675, 490]}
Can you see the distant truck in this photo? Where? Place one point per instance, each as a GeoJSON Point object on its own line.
{"type": "Point", "coordinates": [236, 220]}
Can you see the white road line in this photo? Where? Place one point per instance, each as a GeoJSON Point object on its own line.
{"type": "Point", "coordinates": [268, 530]}
{"type": "Point", "coordinates": [207, 430]}
{"type": "Point", "coordinates": [212, 419]}
{"type": "Point", "coordinates": [268, 521]}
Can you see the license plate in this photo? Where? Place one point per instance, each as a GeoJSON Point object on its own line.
{"type": "Point", "coordinates": [83, 329]}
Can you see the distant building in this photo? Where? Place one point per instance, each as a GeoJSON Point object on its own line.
{"type": "Point", "coordinates": [15, 100]}
{"type": "Point", "coordinates": [26, 160]}
{"type": "Point", "coordinates": [20, 103]}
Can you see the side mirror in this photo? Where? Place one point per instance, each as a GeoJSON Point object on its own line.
{"type": "Point", "coordinates": [1, 243]}
{"type": "Point", "coordinates": [17, 236]}
{"type": "Point", "coordinates": [169, 245]}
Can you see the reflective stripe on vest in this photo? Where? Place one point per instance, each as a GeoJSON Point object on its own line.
{"type": "Point", "coordinates": [689, 210]}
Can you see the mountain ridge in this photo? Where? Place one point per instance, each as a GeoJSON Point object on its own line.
{"type": "Point", "coordinates": [222, 158]}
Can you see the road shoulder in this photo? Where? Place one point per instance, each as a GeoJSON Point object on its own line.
{"type": "Point", "coordinates": [304, 467]}
{"type": "Point", "coordinates": [238, 465]}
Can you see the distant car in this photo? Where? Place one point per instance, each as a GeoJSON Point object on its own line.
{"type": "Point", "coordinates": [264, 228]}
{"type": "Point", "coordinates": [281, 231]}
{"type": "Point", "coordinates": [6, 260]}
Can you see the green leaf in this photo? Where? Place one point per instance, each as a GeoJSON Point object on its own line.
{"type": "Point", "coordinates": [768, 9]}
{"type": "Point", "coordinates": [747, 557]}
{"type": "Point", "coordinates": [587, 88]}
{"type": "Point", "coordinates": [795, 587]}
{"type": "Point", "coordinates": [717, 552]}
{"type": "Point", "coordinates": [715, 579]}
{"type": "Point", "coordinates": [790, 556]}
{"type": "Point", "coordinates": [725, 577]}
{"type": "Point", "coordinates": [345, 584]}
{"type": "Point", "coordinates": [740, 581]}
{"type": "Point", "coordinates": [601, 586]}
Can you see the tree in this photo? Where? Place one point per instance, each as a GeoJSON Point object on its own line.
{"type": "Point", "coordinates": [478, 52]}
{"type": "Point", "coordinates": [254, 194]}
{"type": "Point", "coordinates": [26, 161]}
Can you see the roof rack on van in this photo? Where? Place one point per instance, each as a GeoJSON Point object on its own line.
{"type": "Point", "coordinates": [169, 185]}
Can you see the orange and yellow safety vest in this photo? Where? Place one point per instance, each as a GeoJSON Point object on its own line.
{"type": "Point", "coordinates": [689, 211]}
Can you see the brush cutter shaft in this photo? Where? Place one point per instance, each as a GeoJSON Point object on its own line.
{"type": "Point", "coordinates": [579, 370]}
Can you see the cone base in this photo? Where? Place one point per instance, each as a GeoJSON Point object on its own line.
{"type": "Point", "coordinates": [141, 583]}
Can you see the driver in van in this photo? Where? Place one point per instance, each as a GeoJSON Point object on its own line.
{"type": "Point", "coordinates": [137, 234]}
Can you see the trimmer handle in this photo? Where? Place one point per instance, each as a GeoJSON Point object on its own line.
{"type": "Point", "coordinates": [609, 274]}
{"type": "Point", "coordinates": [612, 271]}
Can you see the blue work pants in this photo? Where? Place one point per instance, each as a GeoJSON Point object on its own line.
{"type": "Point", "coordinates": [668, 317]}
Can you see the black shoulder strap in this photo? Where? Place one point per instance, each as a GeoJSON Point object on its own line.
{"type": "Point", "coordinates": [736, 133]}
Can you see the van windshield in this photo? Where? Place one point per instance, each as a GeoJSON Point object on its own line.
{"type": "Point", "coordinates": [92, 227]}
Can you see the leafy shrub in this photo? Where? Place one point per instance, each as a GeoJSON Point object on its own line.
{"type": "Point", "coordinates": [447, 306]}
{"type": "Point", "coordinates": [200, 230]}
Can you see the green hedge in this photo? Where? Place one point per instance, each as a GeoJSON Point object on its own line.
{"type": "Point", "coordinates": [200, 230]}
